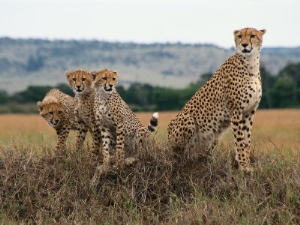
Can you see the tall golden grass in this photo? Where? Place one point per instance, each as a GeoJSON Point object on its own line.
{"type": "Point", "coordinates": [272, 128]}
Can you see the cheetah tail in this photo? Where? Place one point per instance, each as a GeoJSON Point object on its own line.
{"type": "Point", "coordinates": [153, 122]}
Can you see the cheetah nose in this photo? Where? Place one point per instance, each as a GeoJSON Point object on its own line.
{"type": "Point", "coordinates": [78, 87]}
{"type": "Point", "coordinates": [111, 85]}
{"type": "Point", "coordinates": [245, 45]}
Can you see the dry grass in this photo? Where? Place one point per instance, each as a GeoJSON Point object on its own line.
{"type": "Point", "coordinates": [279, 128]}
{"type": "Point", "coordinates": [41, 187]}
{"type": "Point", "coordinates": [30, 130]}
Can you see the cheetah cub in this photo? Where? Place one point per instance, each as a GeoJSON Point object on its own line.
{"type": "Point", "coordinates": [230, 97]}
{"type": "Point", "coordinates": [80, 82]}
{"type": "Point", "coordinates": [118, 123]}
{"type": "Point", "coordinates": [57, 109]}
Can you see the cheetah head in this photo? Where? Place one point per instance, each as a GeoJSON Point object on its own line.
{"type": "Point", "coordinates": [79, 80]}
{"type": "Point", "coordinates": [105, 79]}
{"type": "Point", "coordinates": [248, 40]}
{"type": "Point", "coordinates": [51, 111]}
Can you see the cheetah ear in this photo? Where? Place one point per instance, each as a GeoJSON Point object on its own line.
{"type": "Point", "coordinates": [40, 105]}
{"type": "Point", "coordinates": [115, 72]}
{"type": "Point", "coordinates": [93, 74]}
{"type": "Point", "coordinates": [68, 73]}
{"type": "Point", "coordinates": [235, 32]}
{"type": "Point", "coordinates": [263, 31]}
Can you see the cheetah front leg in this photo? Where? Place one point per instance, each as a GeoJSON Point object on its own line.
{"type": "Point", "coordinates": [247, 128]}
{"type": "Point", "coordinates": [97, 143]}
{"type": "Point", "coordinates": [82, 130]}
{"type": "Point", "coordinates": [62, 135]}
{"type": "Point", "coordinates": [120, 155]}
{"type": "Point", "coordinates": [106, 142]}
{"type": "Point", "coordinates": [242, 143]}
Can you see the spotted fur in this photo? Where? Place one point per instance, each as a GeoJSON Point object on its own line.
{"type": "Point", "coordinates": [118, 123]}
{"type": "Point", "coordinates": [57, 109]}
{"type": "Point", "coordinates": [230, 97]}
{"type": "Point", "coordinates": [81, 83]}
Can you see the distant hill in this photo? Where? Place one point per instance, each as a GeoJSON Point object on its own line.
{"type": "Point", "coordinates": [26, 62]}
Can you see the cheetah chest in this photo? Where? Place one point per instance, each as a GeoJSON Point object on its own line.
{"type": "Point", "coordinates": [104, 113]}
{"type": "Point", "coordinates": [253, 92]}
{"type": "Point", "coordinates": [85, 114]}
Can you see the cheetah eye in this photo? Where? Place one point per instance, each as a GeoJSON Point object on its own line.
{"type": "Point", "coordinates": [104, 78]}
{"type": "Point", "coordinates": [83, 79]}
{"type": "Point", "coordinates": [74, 79]}
{"type": "Point", "coordinates": [239, 36]}
{"type": "Point", "coordinates": [252, 36]}
{"type": "Point", "coordinates": [51, 113]}
{"type": "Point", "coordinates": [114, 78]}
{"type": "Point", "coordinates": [59, 112]}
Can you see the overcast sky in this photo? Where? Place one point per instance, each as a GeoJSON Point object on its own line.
{"type": "Point", "coordinates": [148, 21]}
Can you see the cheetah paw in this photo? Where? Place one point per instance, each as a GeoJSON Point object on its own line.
{"type": "Point", "coordinates": [247, 169]}
{"type": "Point", "coordinates": [99, 171]}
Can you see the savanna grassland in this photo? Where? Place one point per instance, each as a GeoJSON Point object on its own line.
{"type": "Point", "coordinates": [41, 186]}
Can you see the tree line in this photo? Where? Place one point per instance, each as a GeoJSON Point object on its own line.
{"type": "Point", "coordinates": [279, 91]}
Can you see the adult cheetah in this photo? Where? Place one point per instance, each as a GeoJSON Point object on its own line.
{"type": "Point", "coordinates": [80, 82]}
{"type": "Point", "coordinates": [230, 97]}
{"type": "Point", "coordinates": [118, 123]}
